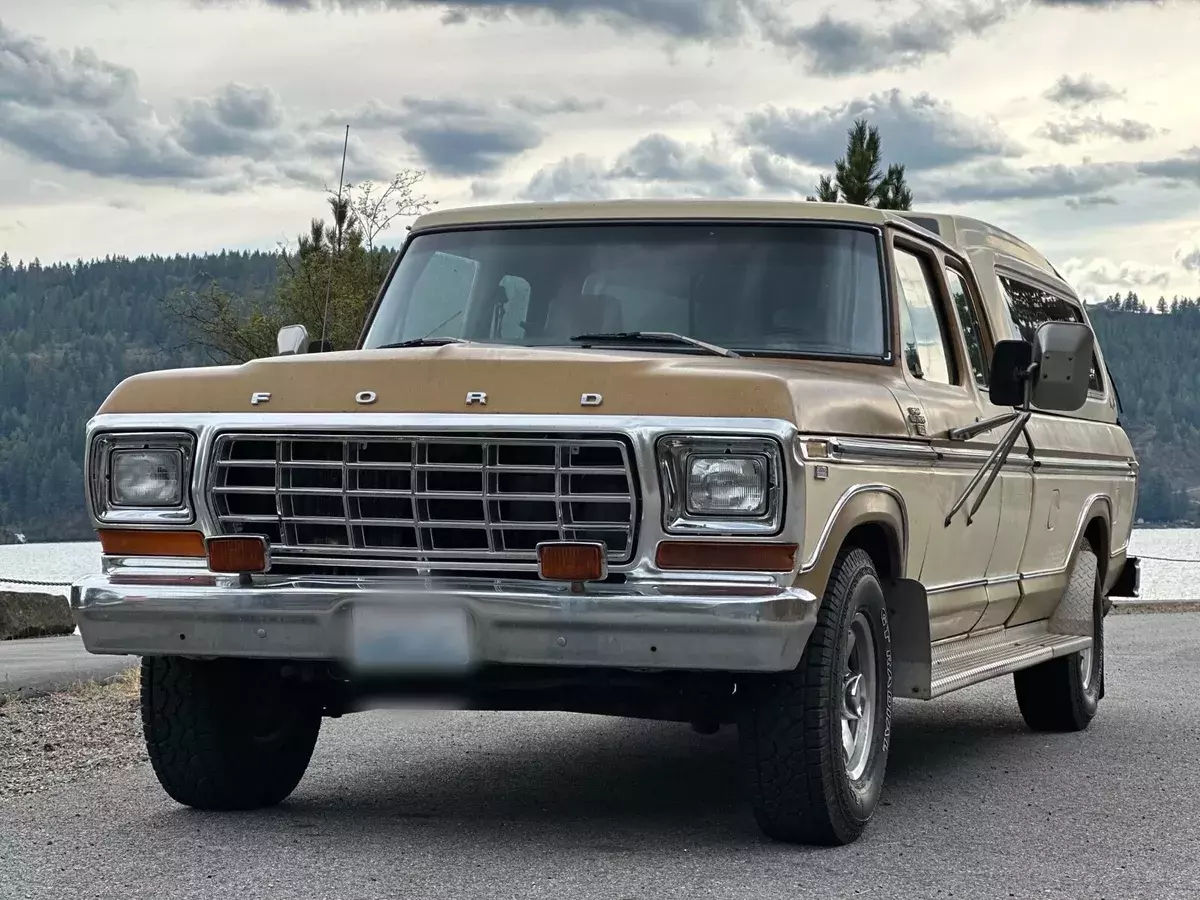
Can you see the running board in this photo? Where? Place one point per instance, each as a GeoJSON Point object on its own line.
{"type": "Point", "coordinates": [961, 662]}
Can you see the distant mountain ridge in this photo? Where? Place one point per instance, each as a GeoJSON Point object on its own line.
{"type": "Point", "coordinates": [69, 333]}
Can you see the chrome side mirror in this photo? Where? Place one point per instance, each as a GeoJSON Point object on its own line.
{"type": "Point", "coordinates": [292, 339]}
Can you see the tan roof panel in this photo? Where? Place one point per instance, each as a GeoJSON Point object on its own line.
{"type": "Point", "coordinates": [650, 209]}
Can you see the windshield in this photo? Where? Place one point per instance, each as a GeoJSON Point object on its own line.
{"type": "Point", "coordinates": [772, 289]}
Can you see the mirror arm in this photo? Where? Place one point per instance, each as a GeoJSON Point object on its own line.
{"type": "Point", "coordinates": [999, 456]}
{"type": "Point", "coordinates": [966, 432]}
{"type": "Point", "coordinates": [1008, 442]}
{"type": "Point", "coordinates": [991, 468]}
{"type": "Point", "coordinates": [991, 465]}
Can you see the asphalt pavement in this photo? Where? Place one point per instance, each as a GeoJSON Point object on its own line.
{"type": "Point", "coordinates": [401, 803]}
{"type": "Point", "coordinates": [36, 665]}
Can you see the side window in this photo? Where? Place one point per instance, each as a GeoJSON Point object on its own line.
{"type": "Point", "coordinates": [969, 318]}
{"type": "Point", "coordinates": [1030, 306]}
{"type": "Point", "coordinates": [922, 330]}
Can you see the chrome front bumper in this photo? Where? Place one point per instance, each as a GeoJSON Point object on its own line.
{"type": "Point", "coordinates": [371, 625]}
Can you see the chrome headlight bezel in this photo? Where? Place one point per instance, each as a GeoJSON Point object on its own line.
{"type": "Point", "coordinates": [675, 453]}
{"type": "Point", "coordinates": [104, 507]}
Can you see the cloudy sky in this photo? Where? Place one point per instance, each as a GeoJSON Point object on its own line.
{"type": "Point", "coordinates": [162, 126]}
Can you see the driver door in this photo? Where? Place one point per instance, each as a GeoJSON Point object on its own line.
{"type": "Point", "coordinates": [944, 356]}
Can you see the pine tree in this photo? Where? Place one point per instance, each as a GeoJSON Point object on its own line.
{"type": "Point", "coordinates": [858, 178]}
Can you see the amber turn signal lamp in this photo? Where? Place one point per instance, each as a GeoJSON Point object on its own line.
{"type": "Point", "coordinates": [735, 556]}
{"type": "Point", "coordinates": [238, 554]}
{"type": "Point", "coordinates": [122, 542]}
{"type": "Point", "coordinates": [572, 561]}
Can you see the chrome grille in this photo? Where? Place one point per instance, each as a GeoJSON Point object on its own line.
{"type": "Point", "coordinates": [429, 498]}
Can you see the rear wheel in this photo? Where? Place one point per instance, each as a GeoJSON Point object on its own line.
{"type": "Point", "coordinates": [226, 734]}
{"type": "Point", "coordinates": [814, 741]}
{"type": "Point", "coordinates": [1063, 694]}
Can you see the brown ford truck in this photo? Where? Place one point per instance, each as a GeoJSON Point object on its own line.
{"type": "Point", "coordinates": [769, 465]}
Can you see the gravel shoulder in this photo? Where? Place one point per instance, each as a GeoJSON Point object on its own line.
{"type": "Point", "coordinates": [55, 739]}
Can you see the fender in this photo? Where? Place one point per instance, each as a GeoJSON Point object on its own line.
{"type": "Point", "coordinates": [862, 504]}
{"type": "Point", "coordinates": [1043, 589]}
{"type": "Point", "coordinates": [1097, 506]}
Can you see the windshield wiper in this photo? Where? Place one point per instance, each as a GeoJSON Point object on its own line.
{"type": "Point", "coordinates": [424, 342]}
{"type": "Point", "coordinates": [652, 337]}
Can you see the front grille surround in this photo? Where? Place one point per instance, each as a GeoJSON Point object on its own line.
{"type": "Point", "coordinates": [425, 499]}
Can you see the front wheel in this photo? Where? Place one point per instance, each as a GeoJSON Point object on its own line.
{"type": "Point", "coordinates": [226, 734]}
{"type": "Point", "coordinates": [814, 741]}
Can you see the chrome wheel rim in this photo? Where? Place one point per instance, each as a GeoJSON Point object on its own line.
{"type": "Point", "coordinates": [1085, 667]}
{"type": "Point", "coordinates": [858, 704]}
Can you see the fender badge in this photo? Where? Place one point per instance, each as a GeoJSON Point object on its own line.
{"type": "Point", "coordinates": [476, 397]}
{"type": "Point", "coordinates": [591, 400]}
{"type": "Point", "coordinates": [365, 397]}
{"type": "Point", "coordinates": [260, 397]}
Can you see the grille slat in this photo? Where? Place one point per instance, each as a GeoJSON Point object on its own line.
{"type": "Point", "coordinates": [420, 498]}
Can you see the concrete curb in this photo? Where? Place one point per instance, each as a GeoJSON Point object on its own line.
{"type": "Point", "coordinates": [1142, 607]}
{"type": "Point", "coordinates": [28, 615]}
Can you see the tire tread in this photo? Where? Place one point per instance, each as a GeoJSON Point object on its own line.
{"type": "Point", "coordinates": [1050, 695]}
{"type": "Point", "coordinates": [199, 755]}
{"type": "Point", "coordinates": [788, 764]}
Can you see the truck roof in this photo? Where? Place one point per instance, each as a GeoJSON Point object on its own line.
{"type": "Point", "coordinates": [650, 209]}
{"type": "Point", "coordinates": [963, 232]}
{"type": "Point", "coordinates": [967, 233]}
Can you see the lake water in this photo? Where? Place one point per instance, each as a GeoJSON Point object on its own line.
{"type": "Point", "coordinates": [1161, 580]}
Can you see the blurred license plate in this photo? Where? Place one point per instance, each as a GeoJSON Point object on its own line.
{"type": "Point", "coordinates": [410, 640]}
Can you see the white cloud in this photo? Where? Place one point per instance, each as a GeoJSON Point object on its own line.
{"type": "Point", "coordinates": [1097, 278]}
{"type": "Point", "coordinates": [1187, 254]}
{"type": "Point", "coordinates": [222, 122]}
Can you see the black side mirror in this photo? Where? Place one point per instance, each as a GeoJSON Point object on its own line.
{"type": "Point", "coordinates": [325, 346]}
{"type": "Point", "coordinates": [1064, 356]}
{"type": "Point", "coordinates": [1010, 363]}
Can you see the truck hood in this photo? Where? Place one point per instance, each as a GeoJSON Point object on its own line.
{"type": "Point", "coordinates": [816, 396]}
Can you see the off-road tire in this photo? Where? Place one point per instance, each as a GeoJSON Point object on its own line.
{"type": "Point", "coordinates": [790, 725]}
{"type": "Point", "coordinates": [1053, 695]}
{"type": "Point", "coordinates": [226, 734]}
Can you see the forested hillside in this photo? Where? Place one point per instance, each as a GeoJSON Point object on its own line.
{"type": "Point", "coordinates": [70, 333]}
{"type": "Point", "coordinates": [1153, 356]}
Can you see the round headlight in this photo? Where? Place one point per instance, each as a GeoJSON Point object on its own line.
{"type": "Point", "coordinates": [148, 478]}
{"type": "Point", "coordinates": [729, 485]}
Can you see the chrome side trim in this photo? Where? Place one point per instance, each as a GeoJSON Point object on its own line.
{"type": "Point", "coordinates": [911, 453]}
{"type": "Point", "coordinates": [848, 495]}
{"type": "Point", "coordinates": [970, 583]}
{"type": "Point", "coordinates": [957, 586]}
{"type": "Point", "coordinates": [1066, 466]}
{"type": "Point", "coordinates": [896, 452]}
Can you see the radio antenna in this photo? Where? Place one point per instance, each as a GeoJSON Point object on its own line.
{"type": "Point", "coordinates": [337, 224]}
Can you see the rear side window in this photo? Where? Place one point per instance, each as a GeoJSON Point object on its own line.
{"type": "Point", "coordinates": [1030, 306]}
{"type": "Point", "coordinates": [968, 317]}
{"type": "Point", "coordinates": [922, 329]}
